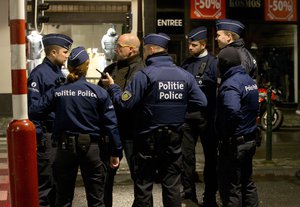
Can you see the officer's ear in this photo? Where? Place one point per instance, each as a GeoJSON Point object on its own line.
{"type": "Point", "coordinates": [152, 49]}
{"type": "Point", "coordinates": [202, 44]}
{"type": "Point", "coordinates": [54, 50]}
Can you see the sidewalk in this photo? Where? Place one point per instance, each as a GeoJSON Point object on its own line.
{"type": "Point", "coordinates": [285, 160]}
{"type": "Point", "coordinates": [281, 164]}
{"type": "Point", "coordinates": [290, 119]}
{"type": "Point", "coordinates": [4, 180]}
{"type": "Point", "coordinates": [286, 155]}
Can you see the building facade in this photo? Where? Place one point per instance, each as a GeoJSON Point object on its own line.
{"type": "Point", "coordinates": [272, 32]}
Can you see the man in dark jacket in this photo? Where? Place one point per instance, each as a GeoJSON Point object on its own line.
{"type": "Point", "coordinates": [162, 93]}
{"type": "Point", "coordinates": [229, 34]}
{"type": "Point", "coordinates": [237, 108]}
{"type": "Point", "coordinates": [203, 66]}
{"type": "Point", "coordinates": [128, 62]}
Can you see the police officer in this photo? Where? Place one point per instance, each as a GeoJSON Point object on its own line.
{"type": "Point", "coordinates": [236, 127]}
{"type": "Point", "coordinates": [41, 79]}
{"type": "Point", "coordinates": [83, 111]}
{"type": "Point", "coordinates": [203, 66]}
{"type": "Point", "coordinates": [161, 92]}
{"type": "Point", "coordinates": [122, 71]}
{"type": "Point", "coordinates": [229, 34]}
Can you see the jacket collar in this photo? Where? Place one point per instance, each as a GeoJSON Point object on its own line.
{"type": "Point", "coordinates": [128, 61]}
{"type": "Point", "coordinates": [238, 43]}
{"type": "Point", "coordinates": [56, 68]}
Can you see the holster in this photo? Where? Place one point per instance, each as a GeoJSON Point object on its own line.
{"type": "Point", "coordinates": [155, 141]}
{"type": "Point", "coordinates": [83, 142]}
{"type": "Point", "coordinates": [67, 142]}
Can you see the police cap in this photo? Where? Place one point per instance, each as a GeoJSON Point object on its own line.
{"type": "Point", "coordinates": [160, 39]}
{"type": "Point", "coordinates": [77, 56]}
{"type": "Point", "coordinates": [230, 25]}
{"type": "Point", "coordinates": [197, 34]}
{"type": "Point", "coordinates": [57, 39]}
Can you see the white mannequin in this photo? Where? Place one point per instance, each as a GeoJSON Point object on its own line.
{"type": "Point", "coordinates": [35, 48]}
{"type": "Point", "coordinates": [108, 42]}
{"type": "Point", "coordinates": [35, 45]}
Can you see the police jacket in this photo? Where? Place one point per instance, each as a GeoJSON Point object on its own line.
{"type": "Point", "coordinates": [122, 72]}
{"type": "Point", "coordinates": [40, 80]}
{"type": "Point", "coordinates": [81, 107]}
{"type": "Point", "coordinates": [248, 61]}
{"type": "Point", "coordinates": [161, 92]}
{"type": "Point", "coordinates": [237, 104]}
{"type": "Point", "coordinates": [205, 70]}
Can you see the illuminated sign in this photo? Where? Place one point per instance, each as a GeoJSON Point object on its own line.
{"type": "Point", "coordinates": [281, 10]}
{"type": "Point", "coordinates": [208, 9]}
{"type": "Point", "coordinates": [170, 22]}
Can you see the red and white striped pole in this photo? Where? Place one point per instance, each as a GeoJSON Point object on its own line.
{"type": "Point", "coordinates": [21, 137]}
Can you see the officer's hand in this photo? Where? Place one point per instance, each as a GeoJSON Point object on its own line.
{"type": "Point", "coordinates": [114, 162]}
{"type": "Point", "coordinates": [107, 81]}
{"type": "Point", "coordinates": [100, 83]}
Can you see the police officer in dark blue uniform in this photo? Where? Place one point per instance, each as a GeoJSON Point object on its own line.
{"type": "Point", "coordinates": [229, 34]}
{"type": "Point", "coordinates": [203, 66]}
{"type": "Point", "coordinates": [44, 77]}
{"type": "Point", "coordinates": [161, 92]}
{"type": "Point", "coordinates": [237, 109]}
{"type": "Point", "coordinates": [83, 111]}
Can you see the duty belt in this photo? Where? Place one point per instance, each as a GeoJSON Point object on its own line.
{"type": "Point", "coordinates": [240, 139]}
{"type": "Point", "coordinates": [152, 142]}
{"type": "Point", "coordinates": [76, 141]}
{"type": "Point", "coordinates": [66, 136]}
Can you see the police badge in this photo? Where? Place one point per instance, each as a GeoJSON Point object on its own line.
{"type": "Point", "coordinates": [126, 95]}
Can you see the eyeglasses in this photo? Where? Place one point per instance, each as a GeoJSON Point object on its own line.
{"type": "Point", "coordinates": [119, 45]}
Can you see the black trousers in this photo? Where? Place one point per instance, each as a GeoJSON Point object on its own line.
{"type": "Point", "coordinates": [93, 173]}
{"type": "Point", "coordinates": [45, 158]}
{"type": "Point", "coordinates": [236, 186]}
{"type": "Point", "coordinates": [160, 153]}
{"type": "Point", "coordinates": [109, 185]}
{"type": "Point", "coordinates": [191, 132]}
{"type": "Point", "coordinates": [111, 173]}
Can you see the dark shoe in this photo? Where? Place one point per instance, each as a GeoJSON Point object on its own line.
{"type": "Point", "coordinates": [208, 204]}
{"type": "Point", "coordinates": [189, 196]}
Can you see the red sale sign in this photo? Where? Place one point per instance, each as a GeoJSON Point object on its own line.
{"type": "Point", "coordinates": [281, 10]}
{"type": "Point", "coordinates": [208, 9]}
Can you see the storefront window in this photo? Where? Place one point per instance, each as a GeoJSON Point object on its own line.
{"type": "Point", "coordinates": [273, 47]}
{"type": "Point", "coordinates": [90, 36]}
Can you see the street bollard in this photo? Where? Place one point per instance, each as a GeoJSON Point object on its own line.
{"type": "Point", "coordinates": [269, 126]}
{"type": "Point", "coordinates": [21, 143]}
{"type": "Point", "coordinates": [21, 136]}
